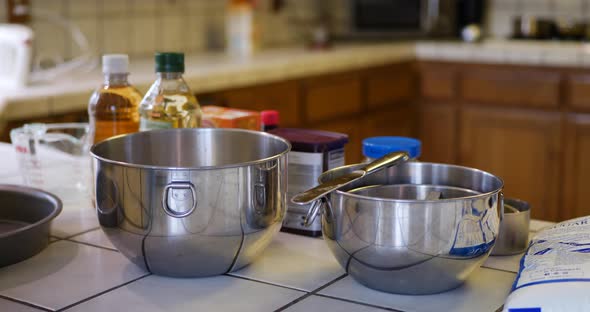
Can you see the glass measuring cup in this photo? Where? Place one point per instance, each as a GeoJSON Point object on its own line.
{"type": "Point", "coordinates": [55, 158]}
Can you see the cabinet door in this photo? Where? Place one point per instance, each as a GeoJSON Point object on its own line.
{"type": "Point", "coordinates": [282, 96]}
{"type": "Point", "coordinates": [331, 97]}
{"type": "Point", "coordinates": [577, 167]}
{"type": "Point", "coordinates": [438, 81]}
{"type": "Point", "coordinates": [351, 126]}
{"type": "Point", "coordinates": [520, 146]}
{"type": "Point", "coordinates": [392, 122]}
{"type": "Point", "coordinates": [577, 90]}
{"type": "Point", "coordinates": [437, 129]}
{"type": "Point", "coordinates": [389, 85]}
{"type": "Point", "coordinates": [510, 86]}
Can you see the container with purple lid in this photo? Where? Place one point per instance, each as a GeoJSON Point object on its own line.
{"type": "Point", "coordinates": [312, 153]}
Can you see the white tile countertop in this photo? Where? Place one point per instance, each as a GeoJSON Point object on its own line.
{"type": "Point", "coordinates": [516, 52]}
{"type": "Point", "coordinates": [81, 270]}
{"type": "Point", "coordinates": [217, 71]}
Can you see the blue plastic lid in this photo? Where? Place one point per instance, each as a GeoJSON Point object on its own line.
{"type": "Point", "coordinates": [376, 147]}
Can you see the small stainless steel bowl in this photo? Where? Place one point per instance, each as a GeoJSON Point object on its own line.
{"type": "Point", "coordinates": [400, 243]}
{"type": "Point", "coordinates": [514, 228]}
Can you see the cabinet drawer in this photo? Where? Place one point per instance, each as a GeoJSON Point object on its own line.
{"type": "Point", "coordinates": [349, 126]}
{"type": "Point", "coordinates": [511, 86]}
{"type": "Point", "coordinates": [329, 97]}
{"type": "Point", "coordinates": [578, 91]}
{"type": "Point", "coordinates": [281, 96]}
{"type": "Point", "coordinates": [390, 85]}
{"type": "Point", "coordinates": [437, 81]}
{"type": "Point", "coordinates": [397, 122]}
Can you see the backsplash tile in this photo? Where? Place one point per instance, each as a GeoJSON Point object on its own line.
{"type": "Point", "coordinates": [143, 35]}
{"type": "Point", "coordinates": [115, 35]}
{"type": "Point", "coordinates": [89, 27]}
{"type": "Point", "coordinates": [140, 27]}
{"type": "Point", "coordinates": [503, 12]}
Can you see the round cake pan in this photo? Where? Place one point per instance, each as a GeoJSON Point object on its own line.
{"type": "Point", "coordinates": [25, 216]}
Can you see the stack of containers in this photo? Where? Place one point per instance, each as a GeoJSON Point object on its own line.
{"type": "Point", "coordinates": [312, 153]}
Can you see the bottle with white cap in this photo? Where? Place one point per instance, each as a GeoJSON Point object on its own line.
{"type": "Point", "coordinates": [113, 108]}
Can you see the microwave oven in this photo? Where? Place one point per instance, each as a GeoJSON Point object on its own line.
{"type": "Point", "coordinates": [402, 18]}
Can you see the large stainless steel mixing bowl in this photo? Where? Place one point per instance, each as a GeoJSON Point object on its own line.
{"type": "Point", "coordinates": [389, 238]}
{"type": "Point", "coordinates": [191, 202]}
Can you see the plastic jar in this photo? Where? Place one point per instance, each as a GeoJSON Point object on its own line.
{"type": "Point", "coordinates": [376, 147]}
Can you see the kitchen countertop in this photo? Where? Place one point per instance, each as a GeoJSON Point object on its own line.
{"type": "Point", "coordinates": [82, 271]}
{"type": "Point", "coordinates": [216, 71]}
{"type": "Point", "coordinates": [203, 72]}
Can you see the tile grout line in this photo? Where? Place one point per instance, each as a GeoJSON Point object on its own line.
{"type": "Point", "coordinates": [313, 292]}
{"type": "Point", "coordinates": [360, 303]}
{"type": "Point", "coordinates": [496, 269]}
{"type": "Point", "coordinates": [101, 293]}
{"type": "Point", "coordinates": [263, 282]}
{"type": "Point", "coordinates": [91, 245]}
{"type": "Point", "coordinates": [32, 305]}
{"type": "Point", "coordinates": [81, 233]}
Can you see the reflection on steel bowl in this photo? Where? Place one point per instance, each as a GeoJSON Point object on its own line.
{"type": "Point", "coordinates": [191, 202]}
{"type": "Point", "coordinates": [393, 237]}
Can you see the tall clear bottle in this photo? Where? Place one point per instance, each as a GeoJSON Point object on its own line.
{"type": "Point", "coordinates": [169, 103]}
{"type": "Point", "coordinates": [113, 107]}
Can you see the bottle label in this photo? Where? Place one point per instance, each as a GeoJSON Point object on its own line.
{"type": "Point", "coordinates": [150, 124]}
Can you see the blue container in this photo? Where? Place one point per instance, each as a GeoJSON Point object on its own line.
{"type": "Point", "coordinates": [376, 147]}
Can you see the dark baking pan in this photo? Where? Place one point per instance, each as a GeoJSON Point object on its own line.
{"type": "Point", "coordinates": [25, 215]}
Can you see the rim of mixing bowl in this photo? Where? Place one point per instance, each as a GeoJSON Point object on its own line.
{"type": "Point", "coordinates": [242, 164]}
{"type": "Point", "coordinates": [363, 197]}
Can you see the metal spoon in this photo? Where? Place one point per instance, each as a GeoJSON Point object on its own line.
{"type": "Point", "coordinates": [322, 190]}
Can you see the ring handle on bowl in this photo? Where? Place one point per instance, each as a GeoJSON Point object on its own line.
{"type": "Point", "coordinates": [166, 199]}
{"type": "Point", "coordinates": [312, 212]}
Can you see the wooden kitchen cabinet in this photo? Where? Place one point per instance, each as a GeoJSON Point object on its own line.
{"type": "Point", "coordinates": [522, 147]}
{"type": "Point", "coordinates": [437, 129]}
{"type": "Point", "coordinates": [577, 91]}
{"type": "Point", "coordinates": [510, 86]}
{"type": "Point", "coordinates": [576, 164]}
{"type": "Point", "coordinates": [399, 121]}
{"type": "Point", "coordinates": [390, 85]}
{"type": "Point", "coordinates": [282, 96]}
{"type": "Point", "coordinates": [438, 81]}
{"type": "Point", "coordinates": [350, 126]}
{"type": "Point", "coordinates": [332, 96]}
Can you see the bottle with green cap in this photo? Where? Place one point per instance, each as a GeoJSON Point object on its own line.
{"type": "Point", "coordinates": [169, 103]}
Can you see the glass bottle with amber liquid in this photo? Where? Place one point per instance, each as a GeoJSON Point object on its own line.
{"type": "Point", "coordinates": [113, 108]}
{"type": "Point", "coordinates": [169, 103]}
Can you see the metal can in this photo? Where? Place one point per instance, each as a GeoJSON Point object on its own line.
{"type": "Point", "coordinates": [313, 152]}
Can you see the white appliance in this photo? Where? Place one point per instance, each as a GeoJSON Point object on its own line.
{"type": "Point", "coordinates": [18, 64]}
{"type": "Point", "coordinates": [15, 55]}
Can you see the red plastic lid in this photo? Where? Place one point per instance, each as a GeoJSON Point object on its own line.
{"type": "Point", "coordinates": [269, 117]}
